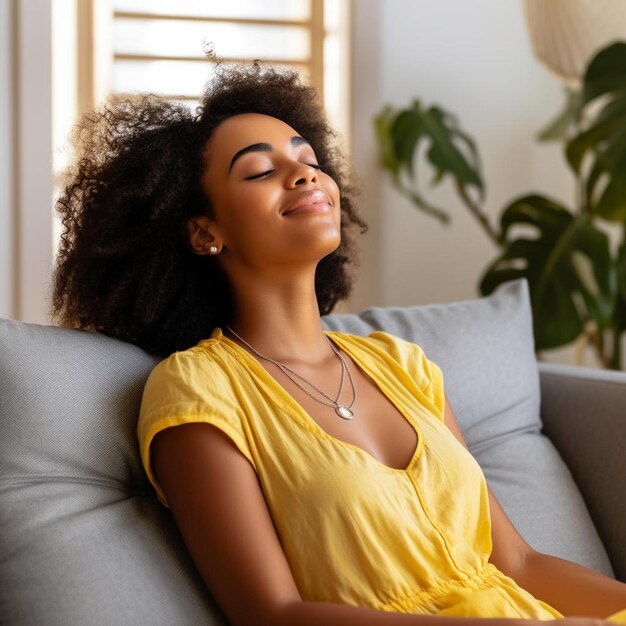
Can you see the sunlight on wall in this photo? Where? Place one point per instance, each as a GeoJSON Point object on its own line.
{"type": "Point", "coordinates": [64, 90]}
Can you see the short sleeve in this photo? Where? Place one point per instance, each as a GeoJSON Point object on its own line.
{"type": "Point", "coordinates": [435, 390]}
{"type": "Point", "coordinates": [186, 388]}
{"type": "Point", "coordinates": [424, 372]}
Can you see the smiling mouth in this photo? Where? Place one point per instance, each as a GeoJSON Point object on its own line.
{"type": "Point", "coordinates": [315, 207]}
{"type": "Point", "coordinates": [310, 201]}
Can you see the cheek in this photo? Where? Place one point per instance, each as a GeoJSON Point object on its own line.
{"type": "Point", "coordinates": [251, 199]}
{"type": "Point", "coordinates": [247, 204]}
{"type": "Point", "coordinates": [333, 190]}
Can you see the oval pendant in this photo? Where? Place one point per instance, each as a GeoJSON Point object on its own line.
{"type": "Point", "coordinates": [345, 412]}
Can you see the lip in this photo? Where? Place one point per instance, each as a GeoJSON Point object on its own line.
{"type": "Point", "coordinates": [314, 200]}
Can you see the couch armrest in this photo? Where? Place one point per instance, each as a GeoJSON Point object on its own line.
{"type": "Point", "coordinates": [584, 414]}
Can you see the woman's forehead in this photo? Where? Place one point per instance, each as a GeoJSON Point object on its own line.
{"type": "Point", "coordinates": [235, 131]}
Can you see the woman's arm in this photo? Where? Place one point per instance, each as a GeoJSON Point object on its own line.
{"type": "Point", "coordinates": [218, 505]}
{"type": "Point", "coordinates": [568, 587]}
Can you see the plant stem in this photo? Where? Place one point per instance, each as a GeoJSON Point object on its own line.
{"type": "Point", "coordinates": [616, 357]}
{"type": "Point", "coordinates": [422, 204]}
{"type": "Point", "coordinates": [581, 197]}
{"type": "Point", "coordinates": [479, 215]}
{"type": "Point", "coordinates": [597, 339]}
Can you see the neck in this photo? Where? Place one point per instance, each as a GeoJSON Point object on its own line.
{"type": "Point", "coordinates": [281, 322]}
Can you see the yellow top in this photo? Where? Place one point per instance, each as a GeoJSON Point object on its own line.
{"type": "Point", "coordinates": [354, 531]}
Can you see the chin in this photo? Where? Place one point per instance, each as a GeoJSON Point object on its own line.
{"type": "Point", "coordinates": [333, 239]}
{"type": "Point", "coordinates": [314, 253]}
{"type": "Point", "coordinates": [332, 248]}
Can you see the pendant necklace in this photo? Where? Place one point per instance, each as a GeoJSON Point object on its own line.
{"type": "Point", "coordinates": [342, 410]}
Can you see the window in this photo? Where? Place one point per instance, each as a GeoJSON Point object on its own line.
{"type": "Point", "coordinates": [130, 46]}
{"type": "Point", "coordinates": [162, 52]}
{"type": "Point", "coordinates": [127, 46]}
{"type": "Point", "coordinates": [158, 47]}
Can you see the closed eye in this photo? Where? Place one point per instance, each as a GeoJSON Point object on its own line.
{"type": "Point", "coordinates": [255, 176]}
{"type": "Point", "coordinates": [259, 175]}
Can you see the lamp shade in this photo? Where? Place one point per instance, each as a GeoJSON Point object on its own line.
{"type": "Point", "coordinates": [565, 34]}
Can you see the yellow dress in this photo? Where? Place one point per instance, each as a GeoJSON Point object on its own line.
{"type": "Point", "coordinates": [354, 531]}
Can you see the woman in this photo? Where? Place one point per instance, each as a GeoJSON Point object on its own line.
{"type": "Point", "coordinates": [317, 477]}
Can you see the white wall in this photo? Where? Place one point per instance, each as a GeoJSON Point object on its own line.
{"type": "Point", "coordinates": [34, 168]}
{"type": "Point", "coordinates": [365, 101]}
{"type": "Point", "coordinates": [26, 237]}
{"type": "Point", "coordinates": [474, 59]}
{"type": "Point", "coordinates": [6, 162]}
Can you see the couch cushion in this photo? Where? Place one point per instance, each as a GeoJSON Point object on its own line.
{"type": "Point", "coordinates": [83, 539]}
{"type": "Point", "coordinates": [485, 349]}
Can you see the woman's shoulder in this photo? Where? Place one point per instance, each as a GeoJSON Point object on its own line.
{"type": "Point", "coordinates": [196, 380]}
{"type": "Point", "coordinates": [406, 354]}
{"type": "Point", "coordinates": [400, 349]}
{"type": "Point", "coordinates": [203, 363]}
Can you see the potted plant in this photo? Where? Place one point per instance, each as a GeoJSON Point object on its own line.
{"type": "Point", "coordinates": [577, 286]}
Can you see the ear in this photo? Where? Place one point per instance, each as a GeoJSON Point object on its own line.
{"type": "Point", "coordinates": [202, 235]}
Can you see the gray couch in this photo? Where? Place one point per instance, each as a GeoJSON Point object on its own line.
{"type": "Point", "coordinates": [84, 541]}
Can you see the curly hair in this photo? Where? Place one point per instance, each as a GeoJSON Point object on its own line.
{"type": "Point", "coordinates": [124, 267]}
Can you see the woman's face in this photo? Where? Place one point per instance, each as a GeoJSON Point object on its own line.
{"type": "Point", "coordinates": [258, 167]}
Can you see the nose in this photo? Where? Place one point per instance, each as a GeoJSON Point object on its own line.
{"type": "Point", "coordinates": [302, 174]}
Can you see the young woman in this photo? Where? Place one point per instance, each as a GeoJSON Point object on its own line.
{"type": "Point", "coordinates": [317, 477]}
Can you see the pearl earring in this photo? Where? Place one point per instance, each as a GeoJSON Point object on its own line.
{"type": "Point", "coordinates": [213, 249]}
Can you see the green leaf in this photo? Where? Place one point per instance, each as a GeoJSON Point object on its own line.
{"type": "Point", "coordinates": [443, 154]}
{"type": "Point", "coordinates": [553, 268]}
{"type": "Point", "coordinates": [611, 120]}
{"type": "Point", "coordinates": [621, 269]}
{"type": "Point", "coordinates": [399, 135]}
{"type": "Point", "coordinates": [557, 129]}
{"type": "Point", "coordinates": [606, 72]}
{"type": "Point", "coordinates": [468, 141]}
{"type": "Point", "coordinates": [602, 285]}
{"type": "Point", "coordinates": [612, 203]}
{"type": "Point", "coordinates": [406, 131]}
{"type": "Point", "coordinates": [610, 157]}
{"type": "Point", "coordinates": [593, 179]}
{"type": "Point", "coordinates": [382, 126]}
{"type": "Point", "coordinates": [619, 317]}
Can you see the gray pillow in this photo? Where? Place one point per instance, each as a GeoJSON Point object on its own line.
{"type": "Point", "coordinates": [83, 539]}
{"type": "Point", "coordinates": [485, 349]}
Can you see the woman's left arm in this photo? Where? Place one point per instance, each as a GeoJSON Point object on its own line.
{"type": "Point", "coordinates": [571, 589]}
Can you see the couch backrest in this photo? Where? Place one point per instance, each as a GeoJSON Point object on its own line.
{"type": "Point", "coordinates": [83, 539]}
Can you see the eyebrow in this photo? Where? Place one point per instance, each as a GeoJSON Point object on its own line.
{"type": "Point", "coordinates": [265, 147]}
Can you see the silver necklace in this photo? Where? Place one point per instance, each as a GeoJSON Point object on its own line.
{"type": "Point", "coordinates": [342, 410]}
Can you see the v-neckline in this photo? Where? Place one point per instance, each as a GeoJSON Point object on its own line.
{"type": "Point", "coordinates": [277, 393]}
